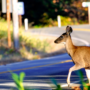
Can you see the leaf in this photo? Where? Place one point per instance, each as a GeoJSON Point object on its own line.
{"type": "Point", "coordinates": [59, 87]}
{"type": "Point", "coordinates": [22, 75]}
{"type": "Point", "coordinates": [85, 85]}
{"type": "Point", "coordinates": [54, 81]}
{"type": "Point", "coordinates": [80, 74]}
{"type": "Point", "coordinates": [15, 77]}
{"type": "Point", "coordinates": [88, 87]}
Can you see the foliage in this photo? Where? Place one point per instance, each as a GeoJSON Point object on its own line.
{"type": "Point", "coordinates": [26, 38]}
{"type": "Point", "coordinates": [18, 79]}
{"type": "Point", "coordinates": [58, 87]}
{"type": "Point", "coordinates": [35, 9]}
{"type": "Point", "coordinates": [83, 84]}
{"type": "Point", "coordinates": [27, 42]}
{"type": "Point", "coordinates": [64, 21]}
{"type": "Point", "coordinates": [33, 42]}
{"type": "Point", "coordinates": [43, 12]}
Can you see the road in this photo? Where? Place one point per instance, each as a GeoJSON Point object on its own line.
{"type": "Point", "coordinates": [39, 72]}
{"type": "Point", "coordinates": [79, 31]}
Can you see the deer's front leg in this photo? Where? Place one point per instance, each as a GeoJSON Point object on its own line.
{"type": "Point", "coordinates": [75, 67]}
{"type": "Point", "coordinates": [68, 78]}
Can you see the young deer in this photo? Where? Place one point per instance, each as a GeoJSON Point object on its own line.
{"type": "Point", "coordinates": [80, 54]}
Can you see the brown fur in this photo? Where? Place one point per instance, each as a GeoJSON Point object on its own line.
{"type": "Point", "coordinates": [79, 54]}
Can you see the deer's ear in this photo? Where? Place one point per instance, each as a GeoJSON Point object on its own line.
{"type": "Point", "coordinates": [69, 30]}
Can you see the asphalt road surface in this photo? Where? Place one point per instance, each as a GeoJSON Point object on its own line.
{"type": "Point", "coordinates": [39, 73]}
{"type": "Point", "coordinates": [79, 31]}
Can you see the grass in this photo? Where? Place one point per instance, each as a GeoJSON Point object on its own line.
{"type": "Point", "coordinates": [33, 42]}
{"type": "Point", "coordinates": [31, 46]}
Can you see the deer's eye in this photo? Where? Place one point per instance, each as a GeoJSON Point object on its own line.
{"type": "Point", "coordinates": [61, 37]}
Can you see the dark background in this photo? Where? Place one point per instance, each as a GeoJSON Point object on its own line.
{"type": "Point", "coordinates": [39, 11]}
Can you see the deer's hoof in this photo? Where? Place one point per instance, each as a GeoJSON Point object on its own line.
{"type": "Point", "coordinates": [68, 85]}
{"type": "Point", "coordinates": [68, 82]}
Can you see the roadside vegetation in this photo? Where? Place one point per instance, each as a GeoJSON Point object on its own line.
{"type": "Point", "coordinates": [18, 80]}
{"type": "Point", "coordinates": [45, 14]}
{"type": "Point", "coordinates": [65, 20]}
{"type": "Point", "coordinates": [31, 46]}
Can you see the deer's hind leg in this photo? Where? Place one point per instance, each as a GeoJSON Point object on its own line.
{"type": "Point", "coordinates": [88, 74]}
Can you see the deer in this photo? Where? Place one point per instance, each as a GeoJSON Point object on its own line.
{"type": "Point", "coordinates": [80, 55]}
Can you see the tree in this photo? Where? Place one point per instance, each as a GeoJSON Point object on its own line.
{"type": "Point", "coordinates": [34, 9]}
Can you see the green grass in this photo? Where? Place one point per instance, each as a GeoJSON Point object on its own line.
{"type": "Point", "coordinates": [27, 42]}
{"type": "Point", "coordinates": [29, 45]}
{"type": "Point", "coordinates": [33, 42]}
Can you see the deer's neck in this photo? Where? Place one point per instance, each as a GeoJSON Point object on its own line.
{"type": "Point", "coordinates": [70, 47]}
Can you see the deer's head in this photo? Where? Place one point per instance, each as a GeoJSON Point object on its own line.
{"type": "Point", "coordinates": [64, 36]}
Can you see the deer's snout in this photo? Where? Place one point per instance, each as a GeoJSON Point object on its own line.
{"type": "Point", "coordinates": [56, 41]}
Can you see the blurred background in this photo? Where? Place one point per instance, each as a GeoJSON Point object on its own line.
{"type": "Point", "coordinates": [28, 29]}
{"type": "Point", "coordinates": [43, 13]}
{"type": "Point", "coordinates": [40, 14]}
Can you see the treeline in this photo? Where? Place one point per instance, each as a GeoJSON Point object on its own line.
{"type": "Point", "coordinates": [39, 11]}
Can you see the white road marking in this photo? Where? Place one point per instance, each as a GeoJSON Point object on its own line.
{"type": "Point", "coordinates": [81, 40]}
{"type": "Point", "coordinates": [66, 85]}
{"type": "Point", "coordinates": [78, 39]}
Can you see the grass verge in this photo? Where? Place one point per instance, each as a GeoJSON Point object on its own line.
{"type": "Point", "coordinates": [31, 46]}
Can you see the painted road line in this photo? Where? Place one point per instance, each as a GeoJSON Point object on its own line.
{"type": "Point", "coordinates": [31, 85]}
{"type": "Point", "coordinates": [37, 66]}
{"type": "Point", "coordinates": [39, 85]}
{"type": "Point", "coordinates": [44, 59]}
{"type": "Point", "coordinates": [78, 39]}
{"type": "Point", "coordinates": [81, 40]}
{"type": "Point", "coordinates": [66, 85]}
